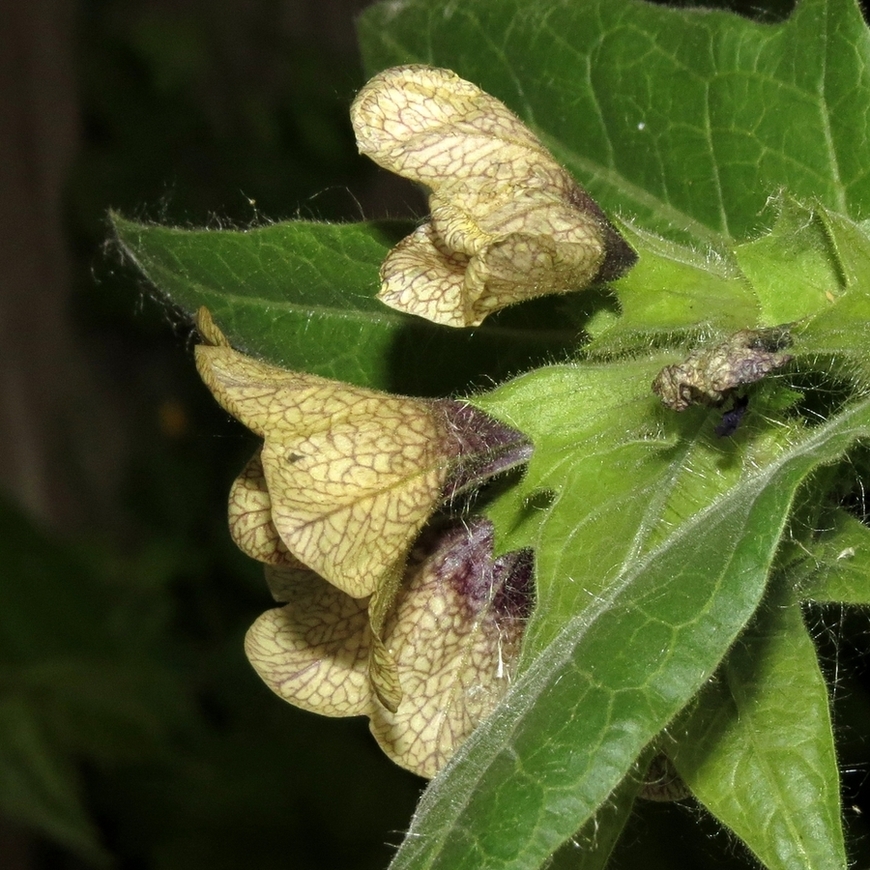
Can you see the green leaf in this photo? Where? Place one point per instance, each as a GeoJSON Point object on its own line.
{"type": "Point", "coordinates": [684, 120]}
{"type": "Point", "coordinates": [758, 748]}
{"type": "Point", "coordinates": [302, 295]}
{"type": "Point", "coordinates": [836, 566]}
{"type": "Point", "coordinates": [623, 636]}
{"type": "Point", "coordinates": [673, 289]}
{"type": "Point", "coordinates": [590, 848]}
{"type": "Point", "coordinates": [806, 273]}
{"type": "Point", "coordinates": [811, 271]}
{"type": "Point", "coordinates": [842, 330]}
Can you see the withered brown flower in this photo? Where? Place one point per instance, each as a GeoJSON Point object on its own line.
{"type": "Point", "coordinates": [709, 374]}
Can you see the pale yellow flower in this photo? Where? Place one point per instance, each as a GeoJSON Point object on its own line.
{"type": "Point", "coordinates": [508, 223]}
{"type": "Point", "coordinates": [454, 633]}
{"type": "Point", "coordinates": [347, 476]}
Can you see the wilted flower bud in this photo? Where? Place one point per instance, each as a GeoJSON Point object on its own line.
{"type": "Point", "coordinates": [709, 374]}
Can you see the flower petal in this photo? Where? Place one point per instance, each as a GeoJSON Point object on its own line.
{"type": "Point", "coordinates": [421, 275]}
{"type": "Point", "coordinates": [250, 518]}
{"type": "Point", "coordinates": [314, 651]}
{"type": "Point", "coordinates": [432, 126]}
{"type": "Point", "coordinates": [456, 635]}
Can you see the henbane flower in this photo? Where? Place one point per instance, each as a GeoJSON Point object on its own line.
{"type": "Point", "coordinates": [508, 223]}
{"type": "Point", "coordinates": [455, 633]}
{"type": "Point", "coordinates": [346, 477]}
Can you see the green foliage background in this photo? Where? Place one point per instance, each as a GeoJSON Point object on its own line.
{"type": "Point", "coordinates": [686, 122]}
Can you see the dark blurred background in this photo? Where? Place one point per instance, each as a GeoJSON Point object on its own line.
{"type": "Point", "coordinates": [132, 728]}
{"type": "Point", "coordinates": [133, 733]}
